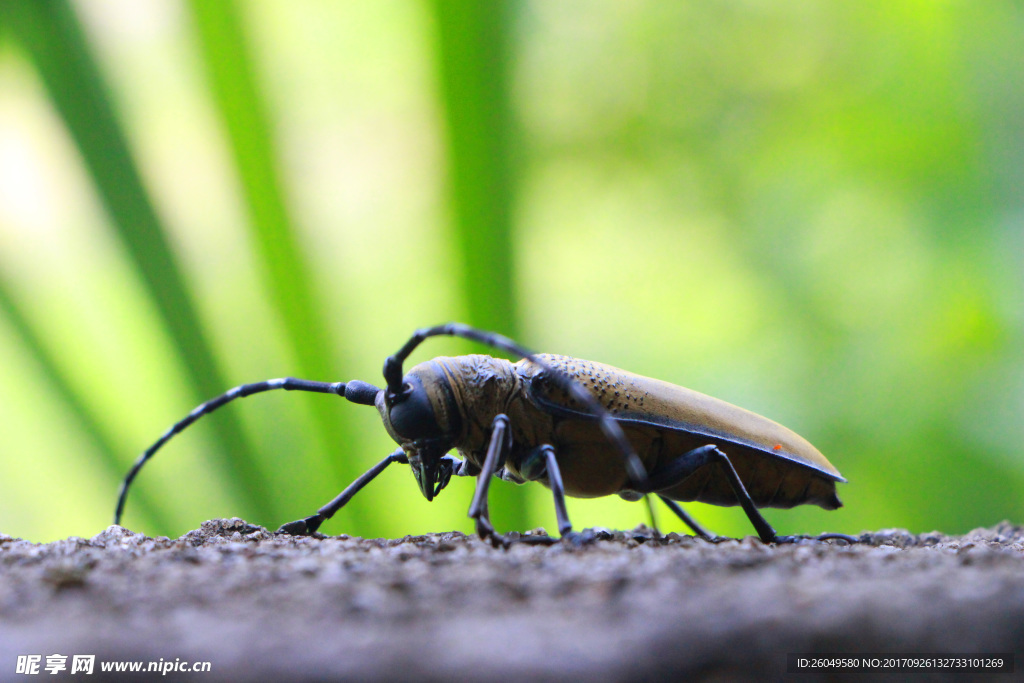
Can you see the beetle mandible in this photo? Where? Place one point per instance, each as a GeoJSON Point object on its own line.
{"type": "Point", "coordinates": [581, 428]}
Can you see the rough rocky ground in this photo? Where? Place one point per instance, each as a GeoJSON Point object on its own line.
{"type": "Point", "coordinates": [447, 606]}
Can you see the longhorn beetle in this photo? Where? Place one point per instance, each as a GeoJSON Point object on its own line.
{"type": "Point", "coordinates": [580, 428]}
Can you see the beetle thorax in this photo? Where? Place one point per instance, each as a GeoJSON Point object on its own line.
{"type": "Point", "coordinates": [483, 386]}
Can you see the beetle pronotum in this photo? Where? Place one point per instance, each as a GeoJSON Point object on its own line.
{"type": "Point", "coordinates": [581, 428]}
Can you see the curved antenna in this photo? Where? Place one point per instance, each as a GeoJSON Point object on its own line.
{"type": "Point", "coordinates": [355, 391]}
{"type": "Point", "coordinates": [396, 392]}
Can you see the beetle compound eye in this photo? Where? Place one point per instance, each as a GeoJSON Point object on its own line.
{"type": "Point", "coordinates": [414, 417]}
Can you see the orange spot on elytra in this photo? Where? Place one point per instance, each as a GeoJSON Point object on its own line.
{"type": "Point", "coordinates": [777, 447]}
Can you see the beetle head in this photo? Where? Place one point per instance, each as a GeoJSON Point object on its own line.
{"type": "Point", "coordinates": [424, 420]}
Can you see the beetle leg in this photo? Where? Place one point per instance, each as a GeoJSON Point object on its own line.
{"type": "Point", "coordinates": [688, 463]}
{"type": "Point", "coordinates": [447, 467]}
{"type": "Point", "coordinates": [457, 465]}
{"type": "Point", "coordinates": [850, 540]}
{"type": "Point", "coordinates": [505, 475]}
{"type": "Point", "coordinates": [538, 464]}
{"type": "Point", "coordinates": [303, 527]}
{"type": "Point", "coordinates": [557, 490]}
{"type": "Point", "coordinates": [687, 519]}
{"type": "Point", "coordinates": [678, 470]}
{"type": "Point", "coordinates": [496, 451]}
{"type": "Point", "coordinates": [650, 514]}
{"type": "Point", "coordinates": [761, 525]}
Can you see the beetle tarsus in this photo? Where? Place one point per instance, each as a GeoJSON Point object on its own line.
{"type": "Point", "coordinates": [539, 539]}
{"type": "Point", "coordinates": [578, 539]}
{"type": "Point", "coordinates": [302, 527]}
{"type": "Point", "coordinates": [839, 537]}
{"type": "Point", "coordinates": [781, 540]}
{"type": "Point", "coordinates": [485, 530]}
{"type": "Point", "coordinates": [822, 537]}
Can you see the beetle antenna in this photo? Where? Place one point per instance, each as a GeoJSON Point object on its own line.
{"type": "Point", "coordinates": [355, 391]}
{"type": "Point", "coordinates": [395, 392]}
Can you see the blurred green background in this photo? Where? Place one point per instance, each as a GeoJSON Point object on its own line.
{"type": "Point", "coordinates": [813, 210]}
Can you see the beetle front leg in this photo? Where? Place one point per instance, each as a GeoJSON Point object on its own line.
{"type": "Point", "coordinates": [307, 525]}
{"type": "Point", "coordinates": [448, 467]}
{"type": "Point", "coordinates": [541, 463]}
{"type": "Point", "coordinates": [497, 450]}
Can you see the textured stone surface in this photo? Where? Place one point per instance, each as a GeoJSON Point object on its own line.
{"type": "Point", "coordinates": [444, 606]}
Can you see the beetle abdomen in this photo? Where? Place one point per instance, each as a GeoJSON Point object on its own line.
{"type": "Point", "coordinates": [664, 421]}
{"type": "Point", "coordinates": [770, 480]}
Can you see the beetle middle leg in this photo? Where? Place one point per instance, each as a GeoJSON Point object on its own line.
{"type": "Point", "coordinates": [538, 464]}
{"type": "Point", "coordinates": [557, 490]}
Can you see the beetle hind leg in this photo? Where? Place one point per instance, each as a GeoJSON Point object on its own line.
{"type": "Point", "coordinates": [832, 536]}
{"type": "Point", "coordinates": [689, 462]}
{"type": "Point", "coordinates": [687, 519]}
